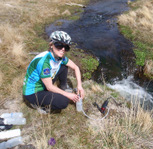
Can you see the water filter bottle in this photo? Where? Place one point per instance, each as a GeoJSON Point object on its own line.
{"type": "Point", "coordinates": [11, 143]}
{"type": "Point", "coordinates": [79, 105]}
{"type": "Point", "coordinates": [15, 114]}
{"type": "Point", "coordinates": [10, 134]}
{"type": "Point", "coordinates": [14, 121]}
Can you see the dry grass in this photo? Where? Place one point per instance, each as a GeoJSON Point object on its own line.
{"type": "Point", "coordinates": [123, 128]}
{"type": "Point", "coordinates": [1, 78]}
{"type": "Point", "coordinates": [15, 87]}
{"type": "Point", "coordinates": [140, 19]}
{"type": "Point", "coordinates": [148, 69]}
{"type": "Point", "coordinates": [18, 21]}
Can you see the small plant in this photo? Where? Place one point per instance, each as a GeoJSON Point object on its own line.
{"type": "Point", "coordinates": [89, 64]}
{"type": "Point", "coordinates": [140, 57]}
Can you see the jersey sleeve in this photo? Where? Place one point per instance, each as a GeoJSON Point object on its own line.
{"type": "Point", "coordinates": [65, 60]}
{"type": "Point", "coordinates": [46, 71]}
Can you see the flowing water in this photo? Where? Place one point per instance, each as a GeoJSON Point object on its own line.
{"type": "Point", "coordinates": [97, 31]}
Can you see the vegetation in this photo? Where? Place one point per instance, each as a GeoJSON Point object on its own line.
{"type": "Point", "coordinates": [124, 127]}
{"type": "Point", "coordinates": [22, 31]}
{"type": "Point", "coordinates": [89, 64]}
{"type": "Point", "coordinates": [137, 25]}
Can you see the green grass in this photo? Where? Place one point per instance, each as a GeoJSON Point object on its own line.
{"type": "Point", "coordinates": [142, 49]}
{"type": "Point", "coordinates": [140, 57]}
{"type": "Point", "coordinates": [127, 32]}
{"type": "Point", "coordinates": [89, 64]}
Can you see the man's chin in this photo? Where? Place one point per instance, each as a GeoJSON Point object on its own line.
{"type": "Point", "coordinates": [61, 56]}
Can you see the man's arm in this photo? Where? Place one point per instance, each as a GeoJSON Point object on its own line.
{"type": "Point", "coordinates": [73, 66]}
{"type": "Point", "coordinates": [50, 87]}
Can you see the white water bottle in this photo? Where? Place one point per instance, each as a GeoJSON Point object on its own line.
{"type": "Point", "coordinates": [15, 114]}
{"type": "Point", "coordinates": [11, 143]}
{"type": "Point", "coordinates": [79, 105]}
{"type": "Point", "coordinates": [10, 134]}
{"type": "Point", "coordinates": [14, 121]}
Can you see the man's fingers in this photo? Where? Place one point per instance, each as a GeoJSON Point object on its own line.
{"type": "Point", "coordinates": [78, 93]}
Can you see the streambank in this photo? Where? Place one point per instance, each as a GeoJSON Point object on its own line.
{"type": "Point", "coordinates": [136, 25]}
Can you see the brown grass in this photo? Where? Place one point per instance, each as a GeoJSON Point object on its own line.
{"type": "Point", "coordinates": [140, 19]}
{"type": "Point", "coordinates": [1, 78]}
{"type": "Point", "coordinates": [124, 129]}
{"type": "Point", "coordinates": [148, 69]}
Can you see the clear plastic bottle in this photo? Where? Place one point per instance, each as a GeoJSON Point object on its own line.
{"type": "Point", "coordinates": [15, 114]}
{"type": "Point", "coordinates": [14, 121]}
{"type": "Point", "coordinates": [79, 105]}
{"type": "Point", "coordinates": [10, 134]}
{"type": "Point", "coordinates": [11, 143]}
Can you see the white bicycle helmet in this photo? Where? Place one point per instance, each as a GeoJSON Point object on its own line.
{"type": "Point", "coordinates": [60, 36]}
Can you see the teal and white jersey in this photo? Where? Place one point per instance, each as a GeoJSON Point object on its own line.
{"type": "Point", "coordinates": [43, 65]}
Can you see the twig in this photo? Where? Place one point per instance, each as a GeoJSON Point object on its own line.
{"type": "Point", "coordinates": [34, 53]}
{"type": "Point", "coordinates": [75, 4]}
{"type": "Point", "coordinates": [2, 102]}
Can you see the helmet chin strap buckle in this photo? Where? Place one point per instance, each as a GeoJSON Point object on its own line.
{"type": "Point", "coordinates": [59, 58]}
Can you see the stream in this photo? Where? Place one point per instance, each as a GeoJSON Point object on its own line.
{"type": "Point", "coordinates": [97, 32]}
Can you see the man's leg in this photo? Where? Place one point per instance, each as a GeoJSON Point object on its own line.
{"type": "Point", "coordinates": [48, 99]}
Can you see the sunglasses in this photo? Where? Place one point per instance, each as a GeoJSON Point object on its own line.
{"type": "Point", "coordinates": [60, 46]}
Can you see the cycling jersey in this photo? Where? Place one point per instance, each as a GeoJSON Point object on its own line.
{"type": "Point", "coordinates": [43, 65]}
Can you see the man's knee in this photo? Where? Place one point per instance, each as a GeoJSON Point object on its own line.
{"type": "Point", "coordinates": [65, 103]}
{"type": "Point", "coordinates": [60, 102]}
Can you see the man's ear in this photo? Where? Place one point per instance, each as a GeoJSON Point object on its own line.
{"type": "Point", "coordinates": [50, 44]}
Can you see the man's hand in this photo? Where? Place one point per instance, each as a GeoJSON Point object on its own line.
{"type": "Point", "coordinates": [80, 92]}
{"type": "Point", "coordinates": [73, 97]}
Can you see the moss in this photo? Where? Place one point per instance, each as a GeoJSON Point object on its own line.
{"type": "Point", "coordinates": [140, 57]}
{"type": "Point", "coordinates": [75, 17]}
{"type": "Point", "coordinates": [89, 64]}
{"type": "Point", "coordinates": [127, 32]}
